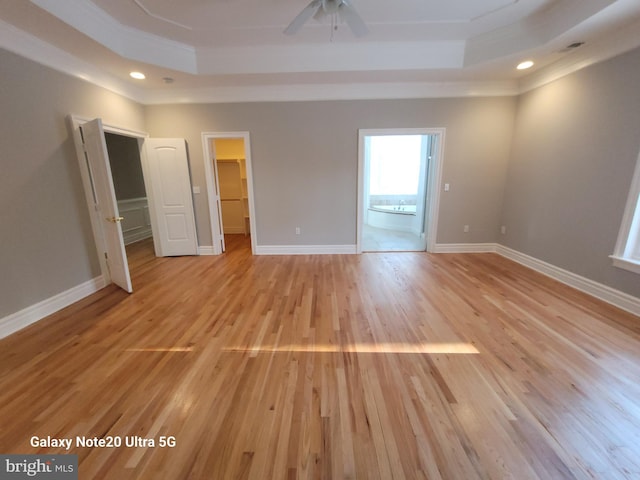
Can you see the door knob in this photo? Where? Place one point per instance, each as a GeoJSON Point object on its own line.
{"type": "Point", "coordinates": [115, 219]}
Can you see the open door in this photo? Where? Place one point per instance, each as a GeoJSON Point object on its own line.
{"type": "Point", "coordinates": [212, 153]}
{"type": "Point", "coordinates": [106, 205]}
{"type": "Point", "coordinates": [168, 184]}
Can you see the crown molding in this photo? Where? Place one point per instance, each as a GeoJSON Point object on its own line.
{"type": "Point", "coordinates": [33, 48]}
{"type": "Point", "coordinates": [331, 57]}
{"type": "Point", "coordinates": [134, 44]}
{"type": "Point", "coordinates": [320, 92]}
{"type": "Point", "coordinates": [127, 42]}
{"type": "Point", "coordinates": [623, 40]}
{"type": "Point", "coordinates": [26, 45]}
{"type": "Point", "coordinates": [531, 32]}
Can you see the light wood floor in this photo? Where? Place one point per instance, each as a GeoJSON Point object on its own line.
{"type": "Point", "coordinates": [382, 365]}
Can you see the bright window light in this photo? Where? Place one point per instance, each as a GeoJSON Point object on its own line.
{"type": "Point", "coordinates": [627, 251]}
{"type": "Point", "coordinates": [395, 164]}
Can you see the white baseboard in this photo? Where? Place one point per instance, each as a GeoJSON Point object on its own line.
{"type": "Point", "coordinates": [464, 248]}
{"type": "Point", "coordinates": [206, 250]}
{"type": "Point", "coordinates": [305, 249]}
{"type": "Point", "coordinates": [32, 314]}
{"type": "Point", "coordinates": [595, 289]}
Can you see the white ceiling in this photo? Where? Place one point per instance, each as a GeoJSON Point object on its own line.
{"type": "Point", "coordinates": [234, 50]}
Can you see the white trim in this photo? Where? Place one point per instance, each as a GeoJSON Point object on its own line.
{"type": "Point", "coordinates": [142, 229]}
{"type": "Point", "coordinates": [96, 226]}
{"type": "Point", "coordinates": [98, 235]}
{"type": "Point", "coordinates": [465, 248]}
{"type": "Point", "coordinates": [206, 250]}
{"type": "Point", "coordinates": [625, 263]}
{"type": "Point", "coordinates": [434, 179]}
{"type": "Point", "coordinates": [330, 92]}
{"type": "Point", "coordinates": [32, 314]}
{"type": "Point", "coordinates": [628, 239]}
{"type": "Point", "coordinates": [306, 250]}
{"type": "Point", "coordinates": [25, 317]}
{"type": "Point", "coordinates": [126, 41]}
{"type": "Point", "coordinates": [35, 49]}
{"type": "Point", "coordinates": [603, 48]}
{"type": "Point", "coordinates": [598, 290]}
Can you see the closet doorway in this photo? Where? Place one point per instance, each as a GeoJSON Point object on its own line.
{"type": "Point", "coordinates": [229, 179]}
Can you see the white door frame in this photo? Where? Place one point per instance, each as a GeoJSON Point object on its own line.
{"type": "Point", "coordinates": [434, 179]}
{"type": "Point", "coordinates": [96, 225]}
{"type": "Point", "coordinates": [212, 180]}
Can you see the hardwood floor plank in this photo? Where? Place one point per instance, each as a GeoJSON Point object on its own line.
{"type": "Point", "coordinates": [382, 365]}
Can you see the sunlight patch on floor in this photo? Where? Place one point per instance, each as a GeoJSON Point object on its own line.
{"type": "Point", "coordinates": [161, 349]}
{"type": "Point", "coordinates": [448, 348]}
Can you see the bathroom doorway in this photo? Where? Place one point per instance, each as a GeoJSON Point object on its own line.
{"type": "Point", "coordinates": [399, 171]}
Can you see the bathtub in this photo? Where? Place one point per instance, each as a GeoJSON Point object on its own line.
{"type": "Point", "coordinates": [393, 217]}
{"type": "Point", "coordinates": [402, 209]}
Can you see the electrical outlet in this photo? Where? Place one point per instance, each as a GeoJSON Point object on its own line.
{"type": "Point", "coordinates": [503, 230]}
{"type": "Point", "coordinates": [466, 229]}
{"type": "Point", "coordinates": [297, 230]}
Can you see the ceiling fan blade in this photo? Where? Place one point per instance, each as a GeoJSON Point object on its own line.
{"type": "Point", "coordinates": [355, 22]}
{"type": "Point", "coordinates": [304, 16]}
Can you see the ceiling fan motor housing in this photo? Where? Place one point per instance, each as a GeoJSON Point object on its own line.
{"type": "Point", "coordinates": [331, 6]}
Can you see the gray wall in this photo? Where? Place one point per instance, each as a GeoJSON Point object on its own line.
{"type": "Point", "coordinates": [553, 165]}
{"type": "Point", "coordinates": [305, 161]}
{"type": "Point", "coordinates": [126, 168]}
{"type": "Point", "coordinates": [46, 244]}
{"type": "Point", "coordinates": [574, 151]}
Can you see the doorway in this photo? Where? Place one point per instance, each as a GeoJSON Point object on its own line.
{"type": "Point", "coordinates": [229, 178]}
{"type": "Point", "coordinates": [167, 184]}
{"type": "Point", "coordinates": [128, 182]}
{"type": "Point", "coordinates": [399, 172]}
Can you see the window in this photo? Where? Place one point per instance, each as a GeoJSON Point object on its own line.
{"type": "Point", "coordinates": [395, 164]}
{"type": "Point", "coordinates": [627, 252]}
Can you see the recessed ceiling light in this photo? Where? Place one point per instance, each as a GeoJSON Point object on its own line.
{"type": "Point", "coordinates": [525, 65]}
{"type": "Point", "coordinates": [137, 75]}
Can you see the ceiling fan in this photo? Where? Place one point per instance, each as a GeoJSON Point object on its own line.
{"type": "Point", "coordinates": [336, 9]}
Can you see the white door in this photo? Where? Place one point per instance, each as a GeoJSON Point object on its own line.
{"type": "Point", "coordinates": [95, 151]}
{"type": "Point", "coordinates": [168, 183]}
